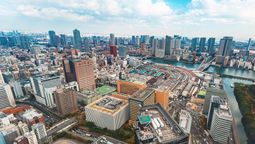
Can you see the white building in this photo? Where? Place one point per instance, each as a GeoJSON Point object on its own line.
{"type": "Point", "coordinates": [1, 78]}
{"type": "Point", "coordinates": [221, 124]}
{"type": "Point", "coordinates": [185, 121]}
{"type": "Point", "coordinates": [40, 131]}
{"type": "Point", "coordinates": [23, 127]}
{"type": "Point", "coordinates": [6, 96]}
{"type": "Point", "coordinates": [31, 137]}
{"type": "Point", "coordinates": [17, 89]}
{"type": "Point", "coordinates": [44, 88]}
{"type": "Point", "coordinates": [108, 112]}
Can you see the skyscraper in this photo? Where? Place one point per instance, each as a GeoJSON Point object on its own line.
{"type": "Point", "coordinates": [211, 46]}
{"type": "Point", "coordinates": [214, 104]}
{"type": "Point", "coordinates": [122, 51]}
{"type": "Point", "coordinates": [23, 42]}
{"type": "Point", "coordinates": [53, 38]}
{"type": "Point", "coordinates": [6, 96]}
{"type": "Point", "coordinates": [194, 44]}
{"type": "Point", "coordinates": [66, 101]}
{"type": "Point", "coordinates": [168, 45]}
{"type": "Point", "coordinates": [77, 39]}
{"type": "Point", "coordinates": [112, 40]}
{"type": "Point", "coordinates": [80, 70]}
{"type": "Point", "coordinates": [221, 124]}
{"type": "Point", "coordinates": [63, 41]}
{"type": "Point", "coordinates": [249, 44]}
{"type": "Point", "coordinates": [113, 50]}
{"type": "Point", "coordinates": [202, 44]}
{"type": "Point", "coordinates": [225, 48]}
{"type": "Point", "coordinates": [40, 131]}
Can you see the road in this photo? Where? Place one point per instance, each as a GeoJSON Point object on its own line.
{"type": "Point", "coordinates": [67, 123]}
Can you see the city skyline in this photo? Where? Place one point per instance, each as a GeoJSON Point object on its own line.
{"type": "Point", "coordinates": [192, 18]}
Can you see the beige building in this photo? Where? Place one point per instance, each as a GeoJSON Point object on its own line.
{"type": "Point", "coordinates": [66, 101]}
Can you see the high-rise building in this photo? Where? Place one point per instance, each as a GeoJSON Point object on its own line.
{"type": "Point", "coordinates": [23, 42]}
{"type": "Point", "coordinates": [44, 87]}
{"type": "Point", "coordinates": [53, 38]}
{"type": "Point", "coordinates": [40, 131]}
{"type": "Point", "coordinates": [2, 141]}
{"type": "Point", "coordinates": [17, 89]}
{"type": "Point", "coordinates": [194, 44]}
{"type": "Point", "coordinates": [138, 100]}
{"type": "Point", "coordinates": [177, 43]}
{"type": "Point", "coordinates": [86, 44]}
{"type": "Point", "coordinates": [80, 70]}
{"type": "Point", "coordinates": [214, 104]}
{"type": "Point", "coordinates": [9, 132]}
{"type": "Point", "coordinates": [160, 49]}
{"type": "Point", "coordinates": [221, 124]}
{"type": "Point", "coordinates": [249, 44]}
{"type": "Point", "coordinates": [1, 78]}
{"type": "Point", "coordinates": [168, 45]}
{"type": "Point", "coordinates": [6, 96]}
{"type": "Point", "coordinates": [66, 101]}
{"type": "Point", "coordinates": [211, 46]}
{"type": "Point", "coordinates": [31, 137]}
{"type": "Point", "coordinates": [23, 127]}
{"type": "Point", "coordinates": [63, 40]}
{"type": "Point", "coordinates": [113, 50]}
{"type": "Point", "coordinates": [225, 47]}
{"type": "Point", "coordinates": [21, 140]}
{"type": "Point", "coordinates": [112, 40]}
{"type": "Point", "coordinates": [202, 44]}
{"type": "Point", "coordinates": [122, 51]}
{"type": "Point", "coordinates": [77, 39]}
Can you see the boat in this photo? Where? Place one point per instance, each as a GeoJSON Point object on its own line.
{"type": "Point", "coordinates": [232, 85]}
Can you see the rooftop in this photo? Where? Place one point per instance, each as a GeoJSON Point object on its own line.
{"type": "Point", "coordinates": [108, 104]}
{"type": "Point", "coordinates": [202, 92]}
{"type": "Point", "coordinates": [142, 94]}
{"type": "Point", "coordinates": [103, 90]}
{"type": "Point", "coordinates": [156, 126]}
{"type": "Point", "coordinates": [138, 79]}
{"type": "Point", "coordinates": [30, 114]}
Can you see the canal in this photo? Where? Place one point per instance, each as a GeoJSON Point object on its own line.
{"type": "Point", "coordinates": [227, 82]}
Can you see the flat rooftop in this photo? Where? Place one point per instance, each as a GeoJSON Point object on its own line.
{"type": "Point", "coordinates": [103, 90]}
{"type": "Point", "coordinates": [142, 94]}
{"type": "Point", "coordinates": [137, 79]}
{"type": "Point", "coordinates": [154, 125]}
{"type": "Point", "coordinates": [108, 104]}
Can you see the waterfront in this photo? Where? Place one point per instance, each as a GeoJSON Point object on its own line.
{"type": "Point", "coordinates": [227, 82]}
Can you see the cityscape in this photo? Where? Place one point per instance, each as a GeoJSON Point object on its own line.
{"type": "Point", "coordinates": [131, 85]}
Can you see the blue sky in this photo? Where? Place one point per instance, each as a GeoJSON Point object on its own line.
{"type": "Point", "coordinates": [190, 18]}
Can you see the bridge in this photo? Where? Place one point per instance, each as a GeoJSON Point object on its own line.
{"type": "Point", "coordinates": [205, 64]}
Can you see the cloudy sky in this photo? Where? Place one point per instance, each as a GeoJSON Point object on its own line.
{"type": "Point", "coordinates": [129, 17]}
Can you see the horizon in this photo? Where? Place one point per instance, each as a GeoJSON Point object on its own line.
{"type": "Point", "coordinates": [190, 18]}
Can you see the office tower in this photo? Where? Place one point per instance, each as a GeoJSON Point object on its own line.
{"type": "Point", "coordinates": [154, 46]}
{"type": "Point", "coordinates": [177, 43]}
{"type": "Point", "coordinates": [80, 70]}
{"type": "Point", "coordinates": [137, 41]}
{"type": "Point", "coordinates": [162, 97]}
{"type": "Point", "coordinates": [23, 42]}
{"type": "Point", "coordinates": [194, 44]}
{"type": "Point", "coordinates": [17, 89]}
{"type": "Point", "coordinates": [6, 96]}
{"type": "Point", "coordinates": [23, 128]}
{"type": "Point", "coordinates": [214, 104]}
{"type": "Point", "coordinates": [66, 101]}
{"type": "Point", "coordinates": [145, 39]}
{"type": "Point", "coordinates": [1, 78]}
{"type": "Point", "coordinates": [112, 40]}
{"type": "Point", "coordinates": [40, 131]}
{"type": "Point", "coordinates": [160, 49]}
{"type": "Point", "coordinates": [221, 124]}
{"type": "Point", "coordinates": [138, 100]}
{"type": "Point", "coordinates": [44, 87]}
{"type": "Point", "coordinates": [63, 40]}
{"type": "Point", "coordinates": [122, 51]}
{"type": "Point", "coordinates": [113, 50]}
{"type": "Point", "coordinates": [249, 44]}
{"type": "Point", "coordinates": [53, 38]}
{"type": "Point", "coordinates": [202, 44]}
{"type": "Point", "coordinates": [108, 112]}
{"type": "Point", "coordinates": [211, 46]}
{"type": "Point", "coordinates": [168, 45]}
{"type": "Point", "coordinates": [77, 39]}
{"type": "Point", "coordinates": [225, 47]}
{"type": "Point", "coordinates": [86, 44]}
{"type": "Point", "coordinates": [12, 41]}
{"type": "Point", "coordinates": [132, 40]}
{"type": "Point", "coordinates": [31, 137]}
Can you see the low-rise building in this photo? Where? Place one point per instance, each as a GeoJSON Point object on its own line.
{"type": "Point", "coordinates": [108, 112]}
{"type": "Point", "coordinates": [185, 121]}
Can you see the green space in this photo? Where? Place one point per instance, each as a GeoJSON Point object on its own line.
{"type": "Point", "coordinates": [103, 90]}
{"type": "Point", "coordinates": [202, 93]}
{"type": "Point", "coordinates": [245, 96]}
{"type": "Point", "coordinates": [125, 133]}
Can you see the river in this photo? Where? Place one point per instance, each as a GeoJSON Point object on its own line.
{"type": "Point", "coordinates": [227, 82]}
